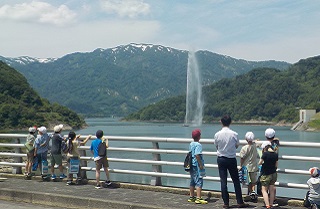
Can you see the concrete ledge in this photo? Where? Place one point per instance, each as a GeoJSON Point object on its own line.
{"type": "Point", "coordinates": [66, 201]}
{"type": "Point", "coordinates": [69, 201]}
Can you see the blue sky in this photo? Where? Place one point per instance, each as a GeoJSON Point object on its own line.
{"type": "Point", "coordinates": [284, 30]}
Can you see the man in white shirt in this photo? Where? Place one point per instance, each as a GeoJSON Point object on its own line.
{"type": "Point", "coordinates": [227, 142]}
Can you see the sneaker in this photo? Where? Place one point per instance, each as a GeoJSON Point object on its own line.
{"type": "Point", "coordinates": [200, 201]}
{"type": "Point", "coordinates": [192, 199]}
{"type": "Point", "coordinates": [62, 176]}
{"type": "Point", "coordinates": [53, 176]}
{"type": "Point", "coordinates": [98, 186]}
{"type": "Point", "coordinates": [107, 182]}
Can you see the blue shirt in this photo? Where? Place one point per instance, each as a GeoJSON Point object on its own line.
{"type": "Point", "coordinates": [44, 138]}
{"type": "Point", "coordinates": [196, 149]}
{"type": "Point", "coordinates": [95, 148]}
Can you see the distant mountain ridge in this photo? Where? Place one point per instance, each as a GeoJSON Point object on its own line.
{"type": "Point", "coordinates": [120, 80]}
{"type": "Point", "coordinates": [22, 107]}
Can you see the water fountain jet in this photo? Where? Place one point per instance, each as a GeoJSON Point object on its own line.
{"type": "Point", "coordinates": [194, 100]}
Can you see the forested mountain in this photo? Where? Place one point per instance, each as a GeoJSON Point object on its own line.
{"type": "Point", "coordinates": [21, 107]}
{"type": "Point", "coordinates": [261, 94]}
{"type": "Point", "coordinates": [121, 80]}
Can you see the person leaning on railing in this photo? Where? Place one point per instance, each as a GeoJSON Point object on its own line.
{"type": "Point", "coordinates": [269, 162]}
{"type": "Point", "coordinates": [73, 154]}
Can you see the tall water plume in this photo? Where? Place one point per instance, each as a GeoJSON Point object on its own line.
{"type": "Point", "coordinates": [194, 101]}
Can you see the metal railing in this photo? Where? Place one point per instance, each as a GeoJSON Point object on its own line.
{"type": "Point", "coordinates": [156, 174]}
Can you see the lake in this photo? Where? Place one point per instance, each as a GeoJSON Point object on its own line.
{"type": "Point", "coordinates": [114, 127]}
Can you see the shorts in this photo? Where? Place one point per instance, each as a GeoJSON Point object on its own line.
{"type": "Point", "coordinates": [102, 162]}
{"type": "Point", "coordinates": [30, 156]}
{"type": "Point", "coordinates": [253, 177]}
{"type": "Point", "coordinates": [267, 180]}
{"type": "Point", "coordinates": [195, 180]}
{"type": "Point", "coordinates": [56, 159]}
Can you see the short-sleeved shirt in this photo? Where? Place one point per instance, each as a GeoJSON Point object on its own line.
{"type": "Point", "coordinates": [269, 163]}
{"type": "Point", "coordinates": [226, 142]}
{"type": "Point", "coordinates": [95, 148]}
{"type": "Point", "coordinates": [40, 140]}
{"type": "Point", "coordinates": [30, 140]}
{"type": "Point", "coordinates": [196, 149]}
{"type": "Point", "coordinates": [56, 143]}
{"type": "Point", "coordinates": [250, 156]}
{"type": "Point", "coordinates": [75, 150]}
{"type": "Point", "coordinates": [314, 189]}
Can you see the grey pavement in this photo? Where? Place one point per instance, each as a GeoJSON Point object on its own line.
{"type": "Point", "coordinates": [118, 195]}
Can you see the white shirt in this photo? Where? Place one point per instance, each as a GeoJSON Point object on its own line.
{"type": "Point", "coordinates": [226, 142]}
{"type": "Point", "coordinates": [314, 188]}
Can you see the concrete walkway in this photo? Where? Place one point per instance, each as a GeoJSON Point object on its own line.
{"type": "Point", "coordinates": [117, 196]}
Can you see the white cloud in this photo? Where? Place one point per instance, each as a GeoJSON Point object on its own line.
{"type": "Point", "coordinates": [126, 8]}
{"type": "Point", "coordinates": [39, 12]}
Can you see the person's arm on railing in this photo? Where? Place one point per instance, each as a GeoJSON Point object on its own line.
{"type": "Point", "coordinates": [85, 141]}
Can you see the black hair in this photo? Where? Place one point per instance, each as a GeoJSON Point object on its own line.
{"type": "Point", "coordinates": [226, 120]}
{"type": "Point", "coordinates": [99, 134]}
{"type": "Point", "coordinates": [71, 137]}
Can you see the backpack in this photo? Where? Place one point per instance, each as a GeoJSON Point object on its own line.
{"type": "Point", "coordinates": [64, 146]}
{"type": "Point", "coordinates": [102, 149]}
{"type": "Point", "coordinates": [188, 162]}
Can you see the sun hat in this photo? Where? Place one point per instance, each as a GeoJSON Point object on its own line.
{"type": "Point", "coordinates": [270, 133]}
{"type": "Point", "coordinates": [32, 129]}
{"type": "Point", "coordinates": [249, 136]}
{"type": "Point", "coordinates": [42, 129]}
{"type": "Point", "coordinates": [264, 144]}
{"type": "Point", "coordinates": [196, 133]}
{"type": "Point", "coordinates": [58, 128]}
{"type": "Point", "coordinates": [99, 134]}
{"type": "Point", "coordinates": [314, 171]}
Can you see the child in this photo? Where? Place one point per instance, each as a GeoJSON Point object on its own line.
{"type": "Point", "coordinates": [269, 162]}
{"type": "Point", "coordinates": [270, 134]}
{"type": "Point", "coordinates": [56, 156]}
{"type": "Point", "coordinates": [313, 195]}
{"type": "Point", "coordinates": [249, 156]}
{"type": "Point", "coordinates": [101, 161]}
{"type": "Point", "coordinates": [73, 153]}
{"type": "Point", "coordinates": [30, 150]}
{"type": "Point", "coordinates": [41, 147]}
{"type": "Point", "coordinates": [197, 170]}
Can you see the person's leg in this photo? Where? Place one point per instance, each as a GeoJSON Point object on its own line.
{"type": "Point", "coordinates": [264, 190]}
{"type": "Point", "coordinates": [233, 170]}
{"type": "Point", "coordinates": [192, 186]}
{"type": "Point", "coordinates": [272, 194]}
{"type": "Point", "coordinates": [53, 162]}
{"type": "Point", "coordinates": [105, 163]}
{"type": "Point", "coordinates": [223, 179]}
{"type": "Point", "coordinates": [98, 167]}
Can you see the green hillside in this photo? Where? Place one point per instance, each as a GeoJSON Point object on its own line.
{"type": "Point", "coordinates": [22, 107]}
{"type": "Point", "coordinates": [122, 80]}
{"type": "Point", "coordinates": [261, 94]}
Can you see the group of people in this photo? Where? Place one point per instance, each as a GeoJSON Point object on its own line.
{"type": "Point", "coordinates": [227, 142]}
{"type": "Point", "coordinates": [37, 147]}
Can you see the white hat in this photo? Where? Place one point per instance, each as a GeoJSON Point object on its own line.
{"type": "Point", "coordinates": [264, 144]}
{"type": "Point", "coordinates": [32, 129]}
{"type": "Point", "coordinates": [58, 128]}
{"type": "Point", "coordinates": [42, 129]}
{"type": "Point", "coordinates": [249, 136]}
{"type": "Point", "coordinates": [270, 133]}
{"type": "Point", "coordinates": [314, 171]}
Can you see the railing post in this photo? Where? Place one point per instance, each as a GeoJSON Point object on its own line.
{"type": "Point", "coordinates": [17, 170]}
{"type": "Point", "coordinates": [156, 181]}
{"type": "Point", "coordinates": [83, 163]}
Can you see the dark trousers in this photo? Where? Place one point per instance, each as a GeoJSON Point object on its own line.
{"type": "Point", "coordinates": [225, 165]}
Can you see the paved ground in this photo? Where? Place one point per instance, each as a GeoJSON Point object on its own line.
{"type": "Point", "coordinates": [59, 195]}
